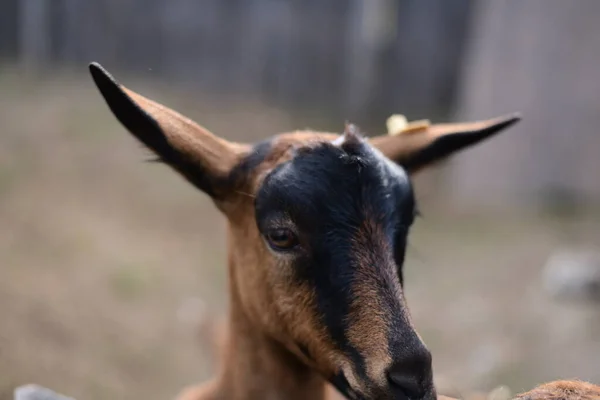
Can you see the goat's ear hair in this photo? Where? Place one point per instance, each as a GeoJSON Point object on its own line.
{"type": "Point", "coordinates": [201, 157]}
{"type": "Point", "coordinates": [427, 144]}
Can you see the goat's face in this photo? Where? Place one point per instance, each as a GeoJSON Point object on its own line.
{"type": "Point", "coordinates": [318, 224]}
{"type": "Point", "coordinates": [334, 219]}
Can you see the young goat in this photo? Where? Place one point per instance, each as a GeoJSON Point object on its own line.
{"type": "Point", "coordinates": [317, 229]}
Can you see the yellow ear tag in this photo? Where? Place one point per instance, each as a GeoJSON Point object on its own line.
{"type": "Point", "coordinates": [397, 124]}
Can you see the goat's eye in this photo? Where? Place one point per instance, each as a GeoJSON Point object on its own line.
{"type": "Point", "coordinates": [281, 239]}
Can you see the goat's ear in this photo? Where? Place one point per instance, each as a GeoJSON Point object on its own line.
{"type": "Point", "coordinates": [201, 157]}
{"type": "Point", "coordinates": [427, 144]}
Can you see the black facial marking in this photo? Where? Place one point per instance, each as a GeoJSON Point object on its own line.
{"type": "Point", "coordinates": [327, 192]}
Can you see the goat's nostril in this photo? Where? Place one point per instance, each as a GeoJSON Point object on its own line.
{"type": "Point", "coordinates": [412, 385]}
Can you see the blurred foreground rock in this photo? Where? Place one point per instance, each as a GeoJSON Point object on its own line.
{"type": "Point", "coordinates": [571, 274]}
{"type": "Point", "coordinates": [36, 392]}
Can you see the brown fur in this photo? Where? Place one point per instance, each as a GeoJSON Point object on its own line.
{"type": "Point", "coordinates": [555, 390]}
{"type": "Point", "coordinates": [269, 312]}
{"type": "Point", "coordinates": [562, 390]}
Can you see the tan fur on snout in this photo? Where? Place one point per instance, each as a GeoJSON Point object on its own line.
{"type": "Point", "coordinates": [369, 315]}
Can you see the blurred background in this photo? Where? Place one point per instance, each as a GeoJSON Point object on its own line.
{"type": "Point", "coordinates": [112, 269]}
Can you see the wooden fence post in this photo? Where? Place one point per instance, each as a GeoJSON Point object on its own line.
{"type": "Point", "coordinates": [34, 29]}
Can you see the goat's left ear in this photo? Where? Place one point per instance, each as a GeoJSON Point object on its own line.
{"type": "Point", "coordinates": [426, 145]}
{"type": "Point", "coordinates": [203, 158]}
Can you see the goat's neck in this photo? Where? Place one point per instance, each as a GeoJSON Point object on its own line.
{"type": "Point", "coordinates": [255, 366]}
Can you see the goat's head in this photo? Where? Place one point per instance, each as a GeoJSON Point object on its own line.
{"type": "Point", "coordinates": [318, 224]}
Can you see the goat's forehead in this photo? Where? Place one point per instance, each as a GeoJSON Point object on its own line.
{"type": "Point", "coordinates": [342, 158]}
{"type": "Point", "coordinates": [276, 150]}
{"type": "Point", "coordinates": [324, 176]}
{"type": "Point", "coordinates": [302, 155]}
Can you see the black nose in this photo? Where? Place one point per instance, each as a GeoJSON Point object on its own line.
{"type": "Point", "coordinates": [412, 374]}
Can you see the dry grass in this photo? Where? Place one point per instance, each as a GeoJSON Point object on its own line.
{"type": "Point", "coordinates": [98, 250]}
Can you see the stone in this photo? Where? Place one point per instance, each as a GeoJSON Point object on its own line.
{"type": "Point", "coordinates": [572, 274]}
{"type": "Point", "coordinates": [36, 392]}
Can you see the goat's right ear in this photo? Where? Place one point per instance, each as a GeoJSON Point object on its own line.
{"type": "Point", "coordinates": [201, 157]}
{"type": "Point", "coordinates": [424, 145]}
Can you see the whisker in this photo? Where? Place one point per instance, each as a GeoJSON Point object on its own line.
{"type": "Point", "coordinates": [416, 253]}
{"type": "Point", "coordinates": [418, 213]}
{"type": "Point", "coordinates": [246, 194]}
{"type": "Point", "coordinates": [459, 392]}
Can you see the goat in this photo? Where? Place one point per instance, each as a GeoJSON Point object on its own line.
{"type": "Point", "coordinates": [317, 230]}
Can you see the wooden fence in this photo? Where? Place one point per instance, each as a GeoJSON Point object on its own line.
{"type": "Point", "coordinates": [362, 60]}
{"type": "Point", "coordinates": [349, 58]}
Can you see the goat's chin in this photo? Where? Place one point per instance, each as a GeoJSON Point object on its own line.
{"type": "Point", "coordinates": [378, 393]}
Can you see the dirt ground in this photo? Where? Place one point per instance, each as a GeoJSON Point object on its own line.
{"type": "Point", "coordinates": [99, 251]}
